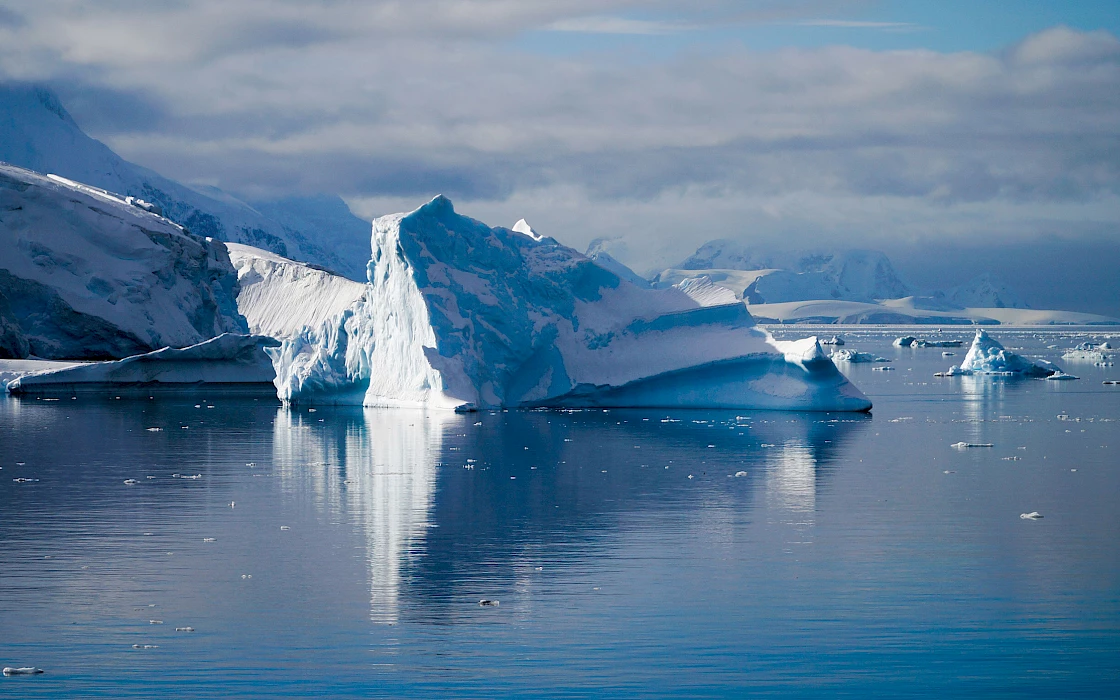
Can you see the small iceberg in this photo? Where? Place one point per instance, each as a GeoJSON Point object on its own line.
{"type": "Point", "coordinates": [1033, 515]}
{"type": "Point", "coordinates": [22, 671]}
{"type": "Point", "coordinates": [488, 603]}
{"type": "Point", "coordinates": [988, 357]}
{"type": "Point", "coordinates": [965, 445]}
{"type": "Point", "coordinates": [1088, 352]}
{"type": "Point", "coordinates": [834, 340]}
{"type": "Point", "coordinates": [1061, 376]}
{"type": "Point", "coordinates": [130, 482]}
{"type": "Point", "coordinates": [909, 341]}
{"type": "Point", "coordinates": [853, 356]}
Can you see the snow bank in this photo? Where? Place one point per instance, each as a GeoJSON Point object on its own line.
{"type": "Point", "coordinates": [229, 360]}
{"type": "Point", "coordinates": [86, 275]}
{"type": "Point", "coordinates": [988, 356]}
{"type": "Point", "coordinates": [460, 315]}
{"type": "Point", "coordinates": [705, 292]}
{"type": "Point", "coordinates": [279, 297]}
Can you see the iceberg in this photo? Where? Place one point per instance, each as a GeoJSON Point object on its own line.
{"type": "Point", "coordinates": [909, 341]}
{"type": "Point", "coordinates": [1088, 352]}
{"type": "Point", "coordinates": [87, 274]}
{"type": "Point", "coordinates": [462, 316]}
{"type": "Point", "coordinates": [988, 356]}
{"type": "Point", "coordinates": [853, 356]}
{"type": "Point", "coordinates": [230, 361]}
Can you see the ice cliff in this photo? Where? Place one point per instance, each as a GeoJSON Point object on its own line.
{"type": "Point", "coordinates": [460, 315]}
{"type": "Point", "coordinates": [86, 274]}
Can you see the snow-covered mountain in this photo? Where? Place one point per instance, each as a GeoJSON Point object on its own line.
{"type": "Point", "coordinates": [850, 275]}
{"type": "Point", "coordinates": [986, 291]}
{"type": "Point", "coordinates": [597, 252]}
{"type": "Point", "coordinates": [459, 315]}
{"type": "Point", "coordinates": [88, 274]}
{"type": "Point", "coordinates": [37, 133]}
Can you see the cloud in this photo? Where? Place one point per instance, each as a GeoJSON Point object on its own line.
{"type": "Point", "coordinates": [857, 24]}
{"type": "Point", "coordinates": [388, 103]}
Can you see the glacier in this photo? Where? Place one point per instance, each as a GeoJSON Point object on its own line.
{"type": "Point", "coordinates": [87, 274]}
{"type": "Point", "coordinates": [987, 356]}
{"type": "Point", "coordinates": [458, 315]}
{"type": "Point", "coordinates": [230, 361]}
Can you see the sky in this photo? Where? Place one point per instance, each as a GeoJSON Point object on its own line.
{"type": "Point", "coordinates": [937, 131]}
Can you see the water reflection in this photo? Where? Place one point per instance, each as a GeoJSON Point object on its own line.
{"type": "Point", "coordinates": [380, 468]}
{"type": "Point", "coordinates": [456, 508]}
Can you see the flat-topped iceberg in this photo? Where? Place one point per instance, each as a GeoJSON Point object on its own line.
{"type": "Point", "coordinates": [459, 315]}
{"type": "Point", "coordinates": [230, 361]}
{"type": "Point", "coordinates": [1088, 352]}
{"type": "Point", "coordinates": [988, 356]}
{"type": "Point", "coordinates": [854, 356]}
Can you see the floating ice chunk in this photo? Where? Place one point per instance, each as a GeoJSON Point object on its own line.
{"type": "Point", "coordinates": [966, 445]}
{"type": "Point", "coordinates": [208, 539]}
{"type": "Point", "coordinates": [24, 480]}
{"type": "Point", "coordinates": [948, 354]}
{"type": "Point", "coordinates": [488, 603]}
{"type": "Point", "coordinates": [285, 527]}
{"type": "Point", "coordinates": [184, 629]}
{"type": "Point", "coordinates": [21, 671]}
{"type": "Point", "coordinates": [155, 430]}
{"type": "Point", "coordinates": [131, 481]}
{"type": "Point", "coordinates": [882, 369]}
{"type": "Point", "coordinates": [853, 356]}
{"type": "Point", "coordinates": [1061, 376]}
{"type": "Point", "coordinates": [155, 622]}
{"type": "Point", "coordinates": [145, 646]}
{"type": "Point", "coordinates": [988, 357]}
{"type": "Point", "coordinates": [904, 341]}
{"type": "Point", "coordinates": [1087, 352]}
{"type": "Point", "coordinates": [1033, 515]}
{"type": "Point", "coordinates": [738, 474]}
{"type": "Point", "coordinates": [1111, 381]}
{"type": "Point", "coordinates": [834, 340]}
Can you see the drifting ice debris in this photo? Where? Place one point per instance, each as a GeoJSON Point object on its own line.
{"type": "Point", "coordinates": [1061, 376]}
{"type": "Point", "coordinates": [948, 354]}
{"type": "Point", "coordinates": [965, 445]}
{"type": "Point", "coordinates": [834, 340]}
{"type": "Point", "coordinates": [208, 539]}
{"type": "Point", "coordinates": [1033, 515]}
{"type": "Point", "coordinates": [904, 341]}
{"type": "Point", "coordinates": [488, 603]}
{"type": "Point", "coordinates": [988, 357]}
{"type": "Point", "coordinates": [882, 369]}
{"type": "Point", "coordinates": [458, 315]}
{"type": "Point", "coordinates": [1111, 381]}
{"type": "Point", "coordinates": [155, 430]}
{"type": "Point", "coordinates": [21, 671]}
{"type": "Point", "coordinates": [740, 474]}
{"type": "Point", "coordinates": [145, 646]}
{"type": "Point", "coordinates": [853, 357]}
{"type": "Point", "coordinates": [131, 481]}
{"type": "Point", "coordinates": [155, 622]}
{"type": "Point", "coordinates": [23, 480]}
{"type": "Point", "coordinates": [285, 527]}
{"type": "Point", "coordinates": [184, 629]}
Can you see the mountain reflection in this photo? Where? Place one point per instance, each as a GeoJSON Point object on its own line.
{"type": "Point", "coordinates": [456, 507]}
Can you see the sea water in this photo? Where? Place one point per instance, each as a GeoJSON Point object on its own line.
{"type": "Point", "coordinates": [652, 553]}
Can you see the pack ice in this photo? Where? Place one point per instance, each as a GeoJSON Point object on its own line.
{"type": "Point", "coordinates": [86, 274]}
{"type": "Point", "coordinates": [988, 356]}
{"type": "Point", "coordinates": [459, 315]}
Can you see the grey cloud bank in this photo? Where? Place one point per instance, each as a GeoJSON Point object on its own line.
{"type": "Point", "coordinates": [963, 155]}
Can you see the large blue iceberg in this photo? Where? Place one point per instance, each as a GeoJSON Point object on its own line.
{"type": "Point", "coordinates": [459, 315]}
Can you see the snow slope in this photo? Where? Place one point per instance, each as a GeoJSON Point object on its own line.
{"type": "Point", "coordinates": [460, 315]}
{"type": "Point", "coordinates": [278, 297]}
{"type": "Point", "coordinates": [86, 275]}
{"type": "Point", "coordinates": [36, 132]}
{"type": "Point", "coordinates": [597, 252]}
{"type": "Point", "coordinates": [228, 360]}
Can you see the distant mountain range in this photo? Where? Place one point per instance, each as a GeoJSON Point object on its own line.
{"type": "Point", "coordinates": [37, 133]}
{"type": "Point", "coordinates": [842, 275]}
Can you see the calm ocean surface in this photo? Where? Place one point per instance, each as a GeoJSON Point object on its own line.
{"type": "Point", "coordinates": [633, 553]}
